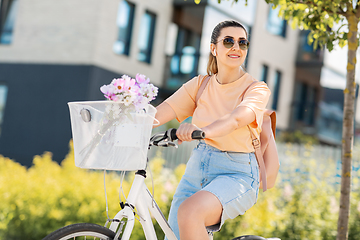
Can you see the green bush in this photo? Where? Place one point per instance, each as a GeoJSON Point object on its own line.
{"type": "Point", "coordinates": [296, 137]}
{"type": "Point", "coordinates": [47, 196]}
{"type": "Point", "coordinates": [38, 200]}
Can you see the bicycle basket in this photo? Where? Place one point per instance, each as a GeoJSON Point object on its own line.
{"type": "Point", "coordinates": [100, 143]}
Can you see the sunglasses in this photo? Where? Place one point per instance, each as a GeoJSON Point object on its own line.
{"type": "Point", "coordinates": [229, 42]}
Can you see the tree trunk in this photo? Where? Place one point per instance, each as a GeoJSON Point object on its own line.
{"type": "Point", "coordinates": [348, 130]}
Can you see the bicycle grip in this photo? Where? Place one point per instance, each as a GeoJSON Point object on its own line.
{"type": "Point", "coordinates": [197, 134]}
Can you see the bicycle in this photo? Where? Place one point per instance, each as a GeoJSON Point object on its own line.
{"type": "Point", "coordinates": [139, 197]}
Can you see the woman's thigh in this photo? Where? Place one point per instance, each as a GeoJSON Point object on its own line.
{"type": "Point", "coordinates": [234, 180]}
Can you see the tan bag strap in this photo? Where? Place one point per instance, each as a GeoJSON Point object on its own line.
{"type": "Point", "coordinates": [204, 82]}
{"type": "Point", "coordinates": [259, 158]}
{"type": "Point", "coordinates": [258, 154]}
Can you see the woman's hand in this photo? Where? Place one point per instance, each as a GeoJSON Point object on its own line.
{"type": "Point", "coordinates": [184, 132]}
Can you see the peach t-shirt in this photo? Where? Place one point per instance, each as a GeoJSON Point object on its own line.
{"type": "Point", "coordinates": [218, 100]}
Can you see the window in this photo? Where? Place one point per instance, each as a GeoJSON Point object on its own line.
{"type": "Point", "coordinates": [125, 20]}
{"type": "Point", "coordinates": [305, 96]}
{"type": "Point", "coordinates": [264, 73]}
{"type": "Point", "coordinates": [275, 24]}
{"type": "Point", "coordinates": [3, 96]}
{"type": "Point", "coordinates": [146, 37]}
{"type": "Point", "coordinates": [8, 9]}
{"type": "Point", "coordinates": [310, 106]}
{"type": "Point", "coordinates": [277, 84]}
{"type": "Point", "coordinates": [183, 62]}
{"type": "Point", "coordinates": [306, 51]}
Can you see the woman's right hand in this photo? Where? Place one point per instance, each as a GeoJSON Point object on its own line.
{"type": "Point", "coordinates": [184, 132]}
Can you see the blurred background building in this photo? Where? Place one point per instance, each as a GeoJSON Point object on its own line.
{"type": "Point", "coordinates": [54, 52]}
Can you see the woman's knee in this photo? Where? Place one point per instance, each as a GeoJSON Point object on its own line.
{"type": "Point", "coordinates": [187, 213]}
{"type": "Point", "coordinates": [201, 207]}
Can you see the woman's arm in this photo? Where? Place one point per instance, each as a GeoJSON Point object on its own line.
{"type": "Point", "coordinates": [164, 114]}
{"type": "Point", "coordinates": [239, 118]}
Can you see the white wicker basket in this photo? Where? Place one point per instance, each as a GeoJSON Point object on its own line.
{"type": "Point", "coordinates": [121, 146]}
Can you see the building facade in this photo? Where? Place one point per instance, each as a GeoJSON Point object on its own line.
{"type": "Point", "coordinates": [54, 52]}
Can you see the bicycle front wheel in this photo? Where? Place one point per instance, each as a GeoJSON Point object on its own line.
{"type": "Point", "coordinates": [80, 231]}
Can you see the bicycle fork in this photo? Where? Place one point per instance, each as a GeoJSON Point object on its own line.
{"type": "Point", "coordinates": [135, 199]}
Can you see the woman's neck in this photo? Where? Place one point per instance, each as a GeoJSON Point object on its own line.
{"type": "Point", "coordinates": [229, 75]}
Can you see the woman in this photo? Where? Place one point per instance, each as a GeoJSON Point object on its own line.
{"type": "Point", "coordinates": [221, 179]}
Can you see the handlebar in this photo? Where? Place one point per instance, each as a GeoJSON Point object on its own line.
{"type": "Point", "coordinates": [166, 139]}
{"type": "Point", "coordinates": [197, 134]}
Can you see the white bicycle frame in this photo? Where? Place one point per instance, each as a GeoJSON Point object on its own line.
{"type": "Point", "coordinates": [141, 198]}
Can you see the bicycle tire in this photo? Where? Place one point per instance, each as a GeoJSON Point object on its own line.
{"type": "Point", "coordinates": [249, 237]}
{"type": "Point", "coordinates": [74, 231]}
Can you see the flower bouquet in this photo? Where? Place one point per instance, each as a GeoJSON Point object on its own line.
{"type": "Point", "coordinates": [131, 95]}
{"type": "Point", "coordinates": [120, 127]}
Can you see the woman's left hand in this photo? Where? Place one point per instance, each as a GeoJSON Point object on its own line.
{"type": "Point", "coordinates": [184, 132]}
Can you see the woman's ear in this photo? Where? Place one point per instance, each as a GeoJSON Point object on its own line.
{"type": "Point", "coordinates": [212, 49]}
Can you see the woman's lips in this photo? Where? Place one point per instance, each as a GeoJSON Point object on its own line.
{"type": "Point", "coordinates": [234, 56]}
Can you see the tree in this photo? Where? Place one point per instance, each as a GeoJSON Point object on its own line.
{"type": "Point", "coordinates": [319, 16]}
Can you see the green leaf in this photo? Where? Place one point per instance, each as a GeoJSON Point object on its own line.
{"type": "Point", "coordinates": [310, 38]}
{"type": "Point", "coordinates": [316, 44]}
{"type": "Point", "coordinates": [345, 36]}
{"type": "Point", "coordinates": [330, 46]}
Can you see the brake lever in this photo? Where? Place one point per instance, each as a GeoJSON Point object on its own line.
{"type": "Point", "coordinates": [167, 144]}
{"type": "Point", "coordinates": [173, 144]}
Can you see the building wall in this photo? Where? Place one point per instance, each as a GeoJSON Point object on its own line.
{"type": "Point", "coordinates": [107, 32]}
{"type": "Point", "coordinates": [83, 32]}
{"type": "Point", "coordinates": [57, 32]}
{"type": "Point", "coordinates": [62, 51]}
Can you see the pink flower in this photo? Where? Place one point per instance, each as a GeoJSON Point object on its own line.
{"type": "Point", "coordinates": [119, 85]}
{"type": "Point", "coordinates": [140, 78]}
{"type": "Point", "coordinates": [107, 90]}
{"type": "Point", "coordinates": [129, 84]}
{"type": "Point", "coordinates": [112, 97]}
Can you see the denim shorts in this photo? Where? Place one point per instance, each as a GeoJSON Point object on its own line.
{"type": "Point", "coordinates": [233, 177]}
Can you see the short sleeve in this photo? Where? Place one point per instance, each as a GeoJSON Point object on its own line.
{"type": "Point", "coordinates": [256, 98]}
{"type": "Point", "coordinates": [183, 100]}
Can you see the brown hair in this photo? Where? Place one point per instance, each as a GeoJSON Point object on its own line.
{"type": "Point", "coordinates": [212, 65]}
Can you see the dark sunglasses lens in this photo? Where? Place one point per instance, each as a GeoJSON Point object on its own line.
{"type": "Point", "coordinates": [244, 44]}
{"type": "Point", "coordinates": [228, 42]}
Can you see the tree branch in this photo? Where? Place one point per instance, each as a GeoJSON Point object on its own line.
{"type": "Point", "coordinates": [349, 6]}
{"type": "Point", "coordinates": [341, 11]}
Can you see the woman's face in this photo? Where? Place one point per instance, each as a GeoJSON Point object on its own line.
{"type": "Point", "coordinates": [234, 56]}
